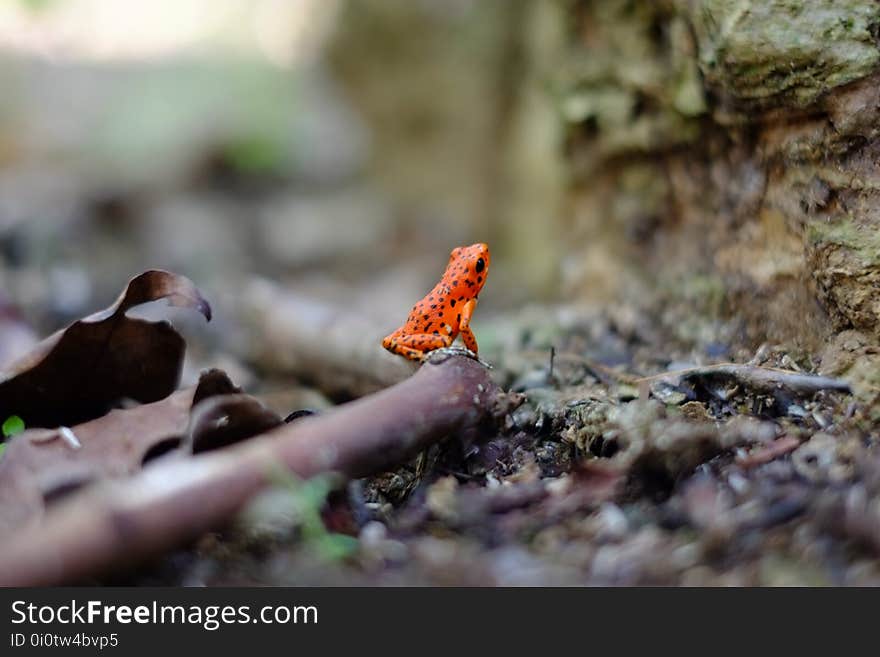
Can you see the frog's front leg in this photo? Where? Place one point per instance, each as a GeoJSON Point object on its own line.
{"type": "Point", "coordinates": [416, 346]}
{"type": "Point", "coordinates": [467, 335]}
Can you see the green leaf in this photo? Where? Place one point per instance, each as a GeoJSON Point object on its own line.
{"type": "Point", "coordinates": [13, 426]}
{"type": "Point", "coordinates": [312, 493]}
{"type": "Point", "coordinates": [333, 547]}
{"type": "Point", "coordinates": [308, 498]}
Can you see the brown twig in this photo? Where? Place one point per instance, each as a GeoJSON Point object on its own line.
{"type": "Point", "coordinates": [758, 378]}
{"type": "Point", "coordinates": [336, 350]}
{"type": "Point", "coordinates": [115, 524]}
{"type": "Point", "coordinates": [771, 452]}
{"type": "Point", "coordinates": [755, 377]}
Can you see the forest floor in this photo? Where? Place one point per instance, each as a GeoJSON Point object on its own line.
{"type": "Point", "coordinates": [606, 475]}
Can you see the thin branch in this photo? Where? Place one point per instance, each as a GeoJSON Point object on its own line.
{"type": "Point", "coordinates": [757, 378]}
{"type": "Point", "coordinates": [335, 349]}
{"type": "Point", "coordinates": [771, 452]}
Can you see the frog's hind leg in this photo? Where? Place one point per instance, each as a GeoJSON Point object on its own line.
{"type": "Point", "coordinates": [417, 345]}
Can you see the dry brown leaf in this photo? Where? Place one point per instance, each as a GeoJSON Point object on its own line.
{"type": "Point", "coordinates": [40, 465]}
{"type": "Point", "coordinates": [227, 419]}
{"type": "Point", "coordinates": [81, 372]}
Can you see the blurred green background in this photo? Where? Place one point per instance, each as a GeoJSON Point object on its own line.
{"type": "Point", "coordinates": [341, 148]}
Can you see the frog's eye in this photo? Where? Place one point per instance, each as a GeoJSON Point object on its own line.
{"type": "Point", "coordinates": [481, 265]}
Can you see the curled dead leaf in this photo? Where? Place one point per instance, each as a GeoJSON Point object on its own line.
{"type": "Point", "coordinates": [227, 419]}
{"type": "Point", "coordinates": [81, 372]}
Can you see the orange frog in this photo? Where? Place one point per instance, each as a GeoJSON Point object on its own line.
{"type": "Point", "coordinates": [437, 320]}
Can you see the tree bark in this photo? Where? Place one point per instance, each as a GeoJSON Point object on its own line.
{"type": "Point", "coordinates": [727, 151]}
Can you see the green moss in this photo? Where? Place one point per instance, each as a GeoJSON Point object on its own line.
{"type": "Point", "coordinates": [688, 99]}
{"type": "Point", "coordinates": [635, 86]}
{"type": "Point", "coordinates": [706, 292]}
{"type": "Point", "coordinates": [785, 52]}
{"type": "Point", "coordinates": [862, 240]}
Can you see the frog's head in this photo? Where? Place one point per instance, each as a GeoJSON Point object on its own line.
{"type": "Point", "coordinates": [474, 263]}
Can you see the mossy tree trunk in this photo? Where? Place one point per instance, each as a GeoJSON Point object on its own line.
{"type": "Point", "coordinates": [729, 150]}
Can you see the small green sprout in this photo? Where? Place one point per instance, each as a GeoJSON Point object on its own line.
{"type": "Point", "coordinates": [308, 498]}
{"type": "Point", "coordinates": [13, 426]}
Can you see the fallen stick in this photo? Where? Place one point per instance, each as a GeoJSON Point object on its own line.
{"type": "Point", "coordinates": [764, 379]}
{"type": "Point", "coordinates": [779, 447]}
{"type": "Point", "coordinates": [120, 523]}
{"type": "Point", "coordinates": [335, 349]}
